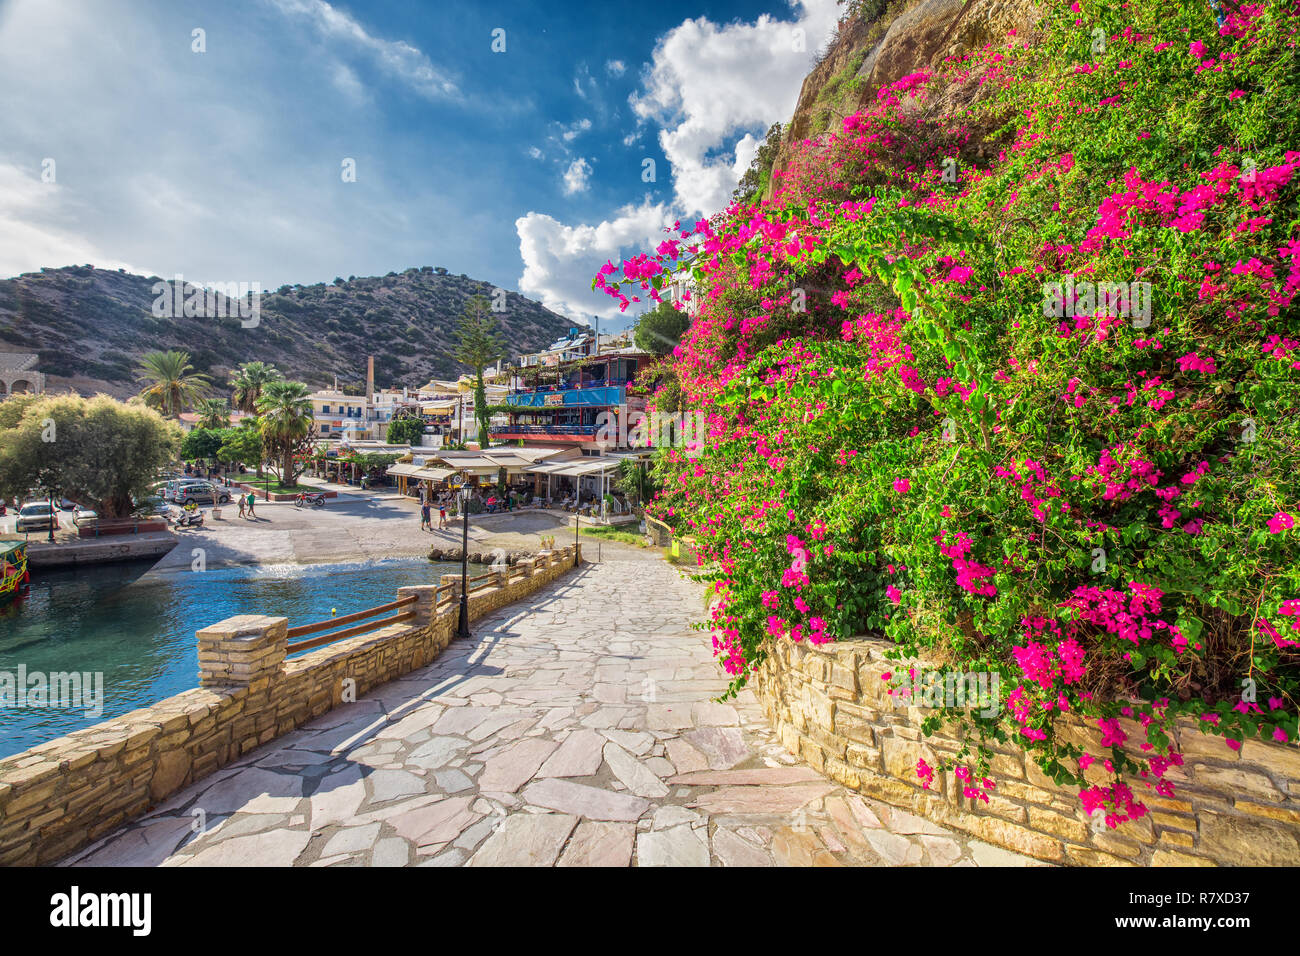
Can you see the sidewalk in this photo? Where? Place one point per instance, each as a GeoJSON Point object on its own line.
{"type": "Point", "coordinates": [383, 493]}
{"type": "Point", "coordinates": [578, 728]}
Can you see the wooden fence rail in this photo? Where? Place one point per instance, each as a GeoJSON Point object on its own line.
{"type": "Point", "coordinates": [331, 623]}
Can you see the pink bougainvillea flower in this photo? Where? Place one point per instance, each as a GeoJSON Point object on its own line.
{"type": "Point", "coordinates": [1282, 521]}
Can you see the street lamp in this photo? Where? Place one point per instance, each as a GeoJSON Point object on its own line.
{"type": "Point", "coordinates": [462, 629]}
{"type": "Point", "coordinates": [577, 516]}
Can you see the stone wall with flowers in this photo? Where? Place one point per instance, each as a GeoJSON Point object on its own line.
{"type": "Point", "coordinates": [831, 706]}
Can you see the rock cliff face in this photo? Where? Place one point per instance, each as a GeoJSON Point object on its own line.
{"type": "Point", "coordinates": [874, 50]}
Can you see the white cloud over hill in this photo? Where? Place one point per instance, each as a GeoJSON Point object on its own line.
{"type": "Point", "coordinates": [707, 89]}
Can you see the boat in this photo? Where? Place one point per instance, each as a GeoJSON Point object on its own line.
{"type": "Point", "coordinates": [13, 569]}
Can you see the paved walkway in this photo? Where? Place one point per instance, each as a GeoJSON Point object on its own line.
{"type": "Point", "coordinates": [576, 729]}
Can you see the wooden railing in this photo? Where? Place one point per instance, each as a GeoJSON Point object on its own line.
{"type": "Point", "coordinates": [445, 596]}
{"type": "Point", "coordinates": [334, 622]}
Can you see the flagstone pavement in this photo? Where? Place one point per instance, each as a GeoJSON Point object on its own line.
{"type": "Point", "coordinates": [576, 728]}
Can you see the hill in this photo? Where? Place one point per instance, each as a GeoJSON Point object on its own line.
{"type": "Point", "coordinates": [90, 325]}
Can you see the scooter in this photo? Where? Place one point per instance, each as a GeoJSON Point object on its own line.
{"type": "Point", "coordinates": [187, 519]}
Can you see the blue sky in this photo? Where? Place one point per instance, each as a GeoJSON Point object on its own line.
{"type": "Point", "coordinates": [524, 167]}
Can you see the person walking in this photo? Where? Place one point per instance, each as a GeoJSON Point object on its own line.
{"type": "Point", "coordinates": [252, 500]}
{"type": "Point", "coordinates": [442, 516]}
{"type": "Point", "coordinates": [425, 521]}
{"type": "Point", "coordinates": [243, 506]}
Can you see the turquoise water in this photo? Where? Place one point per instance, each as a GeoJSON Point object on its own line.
{"type": "Point", "coordinates": [137, 628]}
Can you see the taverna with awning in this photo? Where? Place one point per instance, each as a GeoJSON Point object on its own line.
{"type": "Point", "coordinates": [546, 474]}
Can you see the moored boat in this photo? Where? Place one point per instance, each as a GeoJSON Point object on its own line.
{"type": "Point", "coordinates": [13, 569]}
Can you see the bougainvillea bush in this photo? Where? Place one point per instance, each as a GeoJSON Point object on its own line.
{"type": "Point", "coordinates": [1007, 368]}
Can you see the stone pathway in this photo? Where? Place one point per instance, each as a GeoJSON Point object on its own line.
{"type": "Point", "coordinates": [576, 729]}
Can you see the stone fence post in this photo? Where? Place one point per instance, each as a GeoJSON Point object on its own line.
{"type": "Point", "coordinates": [426, 599]}
{"type": "Point", "coordinates": [453, 580]}
{"type": "Point", "coordinates": [241, 649]}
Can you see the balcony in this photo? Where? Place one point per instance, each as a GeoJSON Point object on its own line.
{"type": "Point", "coordinates": [588, 396]}
{"type": "Point", "coordinates": [577, 432]}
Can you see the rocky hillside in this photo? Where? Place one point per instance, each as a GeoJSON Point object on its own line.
{"type": "Point", "coordinates": [90, 325]}
{"type": "Point", "coordinates": [880, 42]}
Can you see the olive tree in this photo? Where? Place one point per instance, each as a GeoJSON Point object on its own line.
{"type": "Point", "coordinates": [98, 451]}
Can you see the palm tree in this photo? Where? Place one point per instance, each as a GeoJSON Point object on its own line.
{"type": "Point", "coordinates": [285, 421]}
{"type": "Point", "coordinates": [478, 345]}
{"type": "Point", "coordinates": [213, 413]}
{"type": "Point", "coordinates": [250, 380]}
{"type": "Point", "coordinates": [170, 381]}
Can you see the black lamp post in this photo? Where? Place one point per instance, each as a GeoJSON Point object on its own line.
{"type": "Point", "coordinates": [577, 516]}
{"type": "Point", "coordinates": [462, 629]}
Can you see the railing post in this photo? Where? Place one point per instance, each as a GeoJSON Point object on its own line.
{"type": "Point", "coordinates": [241, 649]}
{"type": "Point", "coordinates": [426, 600]}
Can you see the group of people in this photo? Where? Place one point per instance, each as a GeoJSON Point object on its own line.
{"type": "Point", "coordinates": [246, 503]}
{"type": "Point", "coordinates": [492, 503]}
{"type": "Point", "coordinates": [426, 511]}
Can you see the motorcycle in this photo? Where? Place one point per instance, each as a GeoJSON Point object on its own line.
{"type": "Point", "coordinates": [316, 500]}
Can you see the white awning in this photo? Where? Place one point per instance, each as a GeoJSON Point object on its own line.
{"type": "Point", "coordinates": [575, 467]}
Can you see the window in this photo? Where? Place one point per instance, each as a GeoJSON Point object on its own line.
{"type": "Point", "coordinates": [325, 409]}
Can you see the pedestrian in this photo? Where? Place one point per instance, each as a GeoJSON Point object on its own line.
{"type": "Point", "coordinates": [252, 500]}
{"type": "Point", "coordinates": [243, 506]}
{"type": "Point", "coordinates": [424, 517]}
{"type": "Point", "coordinates": [442, 516]}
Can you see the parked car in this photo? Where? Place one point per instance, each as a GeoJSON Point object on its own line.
{"type": "Point", "coordinates": [150, 505]}
{"type": "Point", "coordinates": [67, 504]}
{"type": "Point", "coordinates": [176, 488]}
{"type": "Point", "coordinates": [82, 516]}
{"type": "Point", "coordinates": [37, 516]}
{"type": "Point", "coordinates": [201, 493]}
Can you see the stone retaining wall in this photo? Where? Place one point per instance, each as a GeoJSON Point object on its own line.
{"type": "Point", "coordinates": [830, 706]}
{"type": "Point", "coordinates": [135, 547]}
{"type": "Point", "coordinates": [63, 794]}
{"type": "Point", "coordinates": [661, 535]}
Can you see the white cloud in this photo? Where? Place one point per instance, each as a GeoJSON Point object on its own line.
{"type": "Point", "coordinates": [560, 260]}
{"type": "Point", "coordinates": [615, 67]}
{"type": "Point", "coordinates": [38, 226]}
{"type": "Point", "coordinates": [576, 130]}
{"type": "Point", "coordinates": [395, 57]}
{"type": "Point", "coordinates": [535, 153]}
{"type": "Point", "coordinates": [708, 88]}
{"type": "Point", "coordinates": [577, 176]}
{"type": "Point", "coordinates": [707, 84]}
{"type": "Point", "coordinates": [348, 83]}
